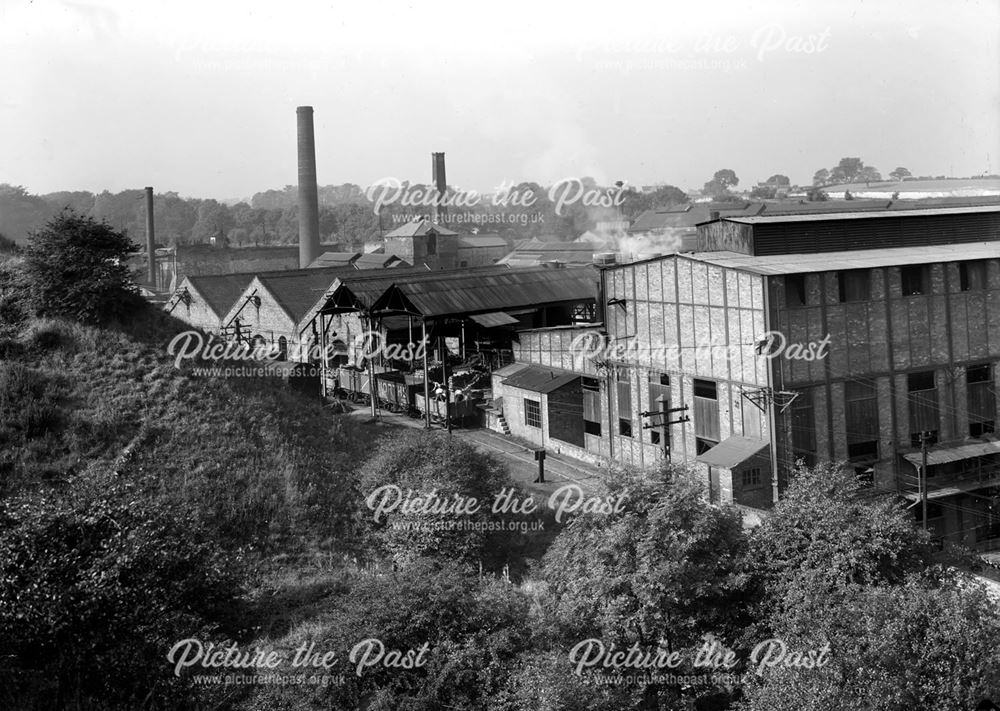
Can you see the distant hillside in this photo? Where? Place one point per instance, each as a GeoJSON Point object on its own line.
{"type": "Point", "coordinates": [921, 188]}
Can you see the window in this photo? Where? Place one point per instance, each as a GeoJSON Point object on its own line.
{"type": "Point", "coordinates": [863, 450]}
{"type": "Point", "coordinates": [861, 420]}
{"type": "Point", "coordinates": [463, 263]}
{"type": "Point", "coordinates": [924, 380]}
{"type": "Point", "coordinates": [751, 477]}
{"type": "Point", "coordinates": [913, 279]}
{"type": "Point", "coordinates": [706, 409]}
{"type": "Point", "coordinates": [923, 405]}
{"type": "Point", "coordinates": [933, 511]}
{"type": "Point", "coordinates": [591, 406]}
{"type": "Point", "coordinates": [706, 389]}
{"type": "Point", "coordinates": [989, 527]}
{"type": "Point", "coordinates": [659, 402]}
{"type": "Point", "coordinates": [972, 275]}
{"type": "Point", "coordinates": [803, 420]}
{"type": "Point", "coordinates": [624, 385]}
{"type": "Point", "coordinates": [795, 290]}
{"type": "Point", "coordinates": [532, 413]}
{"type": "Point", "coordinates": [702, 445]}
{"type": "Point", "coordinates": [981, 404]}
{"type": "Point", "coordinates": [854, 285]}
{"type": "Point", "coordinates": [282, 348]}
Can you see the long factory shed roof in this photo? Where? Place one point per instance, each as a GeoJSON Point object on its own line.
{"type": "Point", "coordinates": [778, 264]}
{"type": "Point", "coordinates": [460, 294]}
{"type": "Point", "coordinates": [861, 215]}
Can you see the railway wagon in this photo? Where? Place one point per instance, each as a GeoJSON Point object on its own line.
{"type": "Point", "coordinates": [397, 391]}
{"type": "Point", "coordinates": [353, 380]}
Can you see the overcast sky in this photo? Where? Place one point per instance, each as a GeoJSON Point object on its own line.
{"type": "Point", "coordinates": [199, 97]}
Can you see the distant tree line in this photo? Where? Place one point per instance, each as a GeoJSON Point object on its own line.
{"type": "Point", "coordinates": [347, 215]}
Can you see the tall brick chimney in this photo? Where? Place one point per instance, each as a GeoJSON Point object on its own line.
{"type": "Point", "coordinates": [308, 191]}
{"type": "Point", "coordinates": [441, 183]}
{"type": "Point", "coordinates": [150, 241]}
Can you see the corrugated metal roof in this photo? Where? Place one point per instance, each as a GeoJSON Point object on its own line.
{"type": "Point", "coordinates": [482, 241]}
{"type": "Point", "coordinates": [861, 215]}
{"type": "Point", "coordinates": [366, 287]}
{"type": "Point", "coordinates": [452, 293]}
{"type": "Point", "coordinates": [691, 215]}
{"type": "Point", "coordinates": [219, 291]}
{"type": "Point", "coordinates": [420, 227]}
{"type": "Point", "coordinates": [534, 253]}
{"type": "Point", "coordinates": [944, 455]}
{"type": "Point", "coordinates": [955, 201]}
{"type": "Point", "coordinates": [917, 185]}
{"type": "Point", "coordinates": [509, 369]}
{"type": "Point", "coordinates": [775, 264]}
{"type": "Point", "coordinates": [732, 452]}
{"type": "Point", "coordinates": [493, 320]}
{"type": "Point", "coordinates": [828, 206]}
{"type": "Point", "coordinates": [539, 379]}
{"type": "Point", "coordinates": [375, 261]}
{"type": "Point", "coordinates": [334, 259]}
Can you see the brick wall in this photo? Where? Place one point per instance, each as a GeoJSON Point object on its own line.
{"type": "Point", "coordinates": [196, 311]}
{"type": "Point", "coordinates": [881, 340]}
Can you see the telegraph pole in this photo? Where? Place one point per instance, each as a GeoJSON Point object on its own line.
{"type": "Point", "coordinates": [924, 439]}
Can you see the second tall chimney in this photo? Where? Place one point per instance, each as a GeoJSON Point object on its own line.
{"type": "Point", "coordinates": [150, 240]}
{"type": "Point", "coordinates": [441, 183]}
{"type": "Point", "coordinates": [308, 190]}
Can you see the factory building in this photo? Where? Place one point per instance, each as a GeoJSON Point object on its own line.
{"type": "Point", "coordinates": [203, 301]}
{"type": "Point", "coordinates": [866, 337]}
{"type": "Point", "coordinates": [269, 311]}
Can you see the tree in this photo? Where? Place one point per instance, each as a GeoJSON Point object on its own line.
{"type": "Point", "coordinates": [666, 570]}
{"type": "Point", "coordinates": [214, 221]}
{"type": "Point", "coordinates": [21, 212]}
{"type": "Point", "coordinates": [829, 525]}
{"type": "Point", "coordinates": [726, 178]}
{"type": "Point", "coordinates": [817, 195]}
{"type": "Point", "coordinates": [718, 186]}
{"type": "Point", "coordinates": [474, 629]}
{"type": "Point", "coordinates": [778, 179]}
{"type": "Point", "coordinates": [634, 202]}
{"type": "Point", "coordinates": [94, 586]}
{"type": "Point", "coordinates": [821, 177]}
{"type": "Point", "coordinates": [850, 168]}
{"type": "Point", "coordinates": [77, 268]}
{"type": "Point", "coordinates": [917, 645]}
{"type": "Point", "coordinates": [840, 565]}
{"type": "Point", "coordinates": [900, 174]}
{"type": "Point", "coordinates": [869, 174]}
{"type": "Point", "coordinates": [763, 192]}
{"type": "Point", "coordinates": [445, 469]}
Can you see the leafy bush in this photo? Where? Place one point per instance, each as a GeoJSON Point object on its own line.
{"type": "Point", "coordinates": [77, 267]}
{"type": "Point", "coordinates": [94, 588]}
{"type": "Point", "coordinates": [435, 464]}
{"type": "Point", "coordinates": [663, 571]}
{"type": "Point", "coordinates": [474, 629]}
